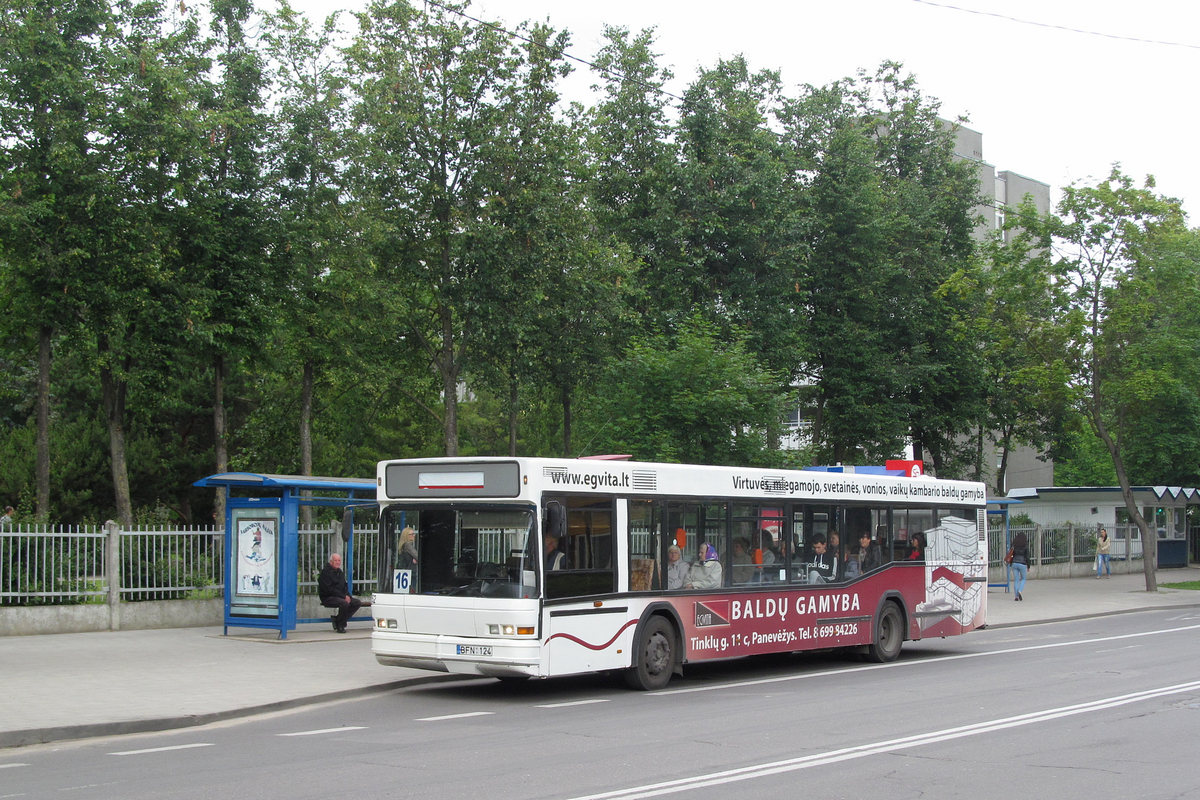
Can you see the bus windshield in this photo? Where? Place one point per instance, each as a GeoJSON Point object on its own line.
{"type": "Point", "coordinates": [462, 550]}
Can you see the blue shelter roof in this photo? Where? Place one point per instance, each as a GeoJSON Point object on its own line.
{"type": "Point", "coordinates": [269, 481]}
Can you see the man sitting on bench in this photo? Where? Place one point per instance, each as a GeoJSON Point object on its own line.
{"type": "Point", "coordinates": [335, 593]}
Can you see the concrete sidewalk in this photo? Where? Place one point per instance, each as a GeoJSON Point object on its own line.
{"type": "Point", "coordinates": [76, 685]}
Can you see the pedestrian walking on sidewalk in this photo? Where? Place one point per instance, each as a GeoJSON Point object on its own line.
{"type": "Point", "coordinates": [1020, 563]}
{"type": "Point", "coordinates": [1103, 545]}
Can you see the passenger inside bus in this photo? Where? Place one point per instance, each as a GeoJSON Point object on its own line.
{"type": "Point", "coordinates": [866, 555]}
{"type": "Point", "coordinates": [852, 565]}
{"type": "Point", "coordinates": [705, 573]}
{"type": "Point", "coordinates": [834, 549]}
{"type": "Point", "coordinates": [555, 558]}
{"type": "Point", "coordinates": [743, 566]}
{"type": "Point", "coordinates": [918, 547]}
{"type": "Point", "coordinates": [677, 568]}
{"type": "Point", "coordinates": [822, 568]}
{"type": "Point", "coordinates": [768, 558]}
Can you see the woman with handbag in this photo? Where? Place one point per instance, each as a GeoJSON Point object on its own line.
{"type": "Point", "coordinates": [1020, 562]}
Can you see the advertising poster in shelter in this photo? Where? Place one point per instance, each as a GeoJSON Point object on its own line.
{"type": "Point", "coordinates": [256, 562]}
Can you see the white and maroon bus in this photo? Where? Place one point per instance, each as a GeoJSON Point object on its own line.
{"type": "Point", "coordinates": [533, 567]}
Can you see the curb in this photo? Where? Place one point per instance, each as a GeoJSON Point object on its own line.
{"type": "Point", "coordinates": [62, 733]}
{"type": "Point", "coordinates": [1090, 615]}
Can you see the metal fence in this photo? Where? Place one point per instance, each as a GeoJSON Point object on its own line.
{"type": "Point", "coordinates": [315, 546]}
{"type": "Point", "coordinates": [1056, 544]}
{"type": "Point", "coordinates": [53, 565]}
{"type": "Point", "coordinates": [172, 564]}
{"type": "Point", "coordinates": [65, 565]}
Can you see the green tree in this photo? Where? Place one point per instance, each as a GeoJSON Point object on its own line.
{"type": "Point", "coordinates": [885, 310]}
{"type": "Point", "coordinates": [1158, 320]}
{"type": "Point", "coordinates": [842, 285]}
{"type": "Point", "coordinates": [1129, 313]}
{"type": "Point", "coordinates": [691, 397]}
{"type": "Point", "coordinates": [634, 176]}
{"type": "Point", "coordinates": [52, 113]}
{"type": "Point", "coordinates": [739, 229]}
{"type": "Point", "coordinates": [159, 79]}
{"type": "Point", "coordinates": [594, 283]}
{"type": "Point", "coordinates": [226, 230]}
{"type": "Point", "coordinates": [1026, 376]}
{"type": "Point", "coordinates": [931, 200]}
{"type": "Point", "coordinates": [1081, 459]}
{"type": "Point", "coordinates": [526, 228]}
{"type": "Point", "coordinates": [434, 114]}
{"type": "Point", "coordinates": [308, 131]}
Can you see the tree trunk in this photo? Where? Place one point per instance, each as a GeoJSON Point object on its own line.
{"type": "Point", "coordinates": [448, 366]}
{"type": "Point", "coordinates": [42, 480]}
{"type": "Point", "coordinates": [1149, 537]}
{"type": "Point", "coordinates": [918, 446]}
{"type": "Point", "coordinates": [1002, 469]}
{"type": "Point", "coordinates": [220, 445]}
{"type": "Point", "coordinates": [306, 456]}
{"type": "Point", "coordinates": [818, 421]}
{"type": "Point", "coordinates": [450, 409]}
{"type": "Point", "coordinates": [566, 404]}
{"type": "Point", "coordinates": [513, 399]}
{"type": "Point", "coordinates": [979, 469]}
{"type": "Point", "coordinates": [113, 390]}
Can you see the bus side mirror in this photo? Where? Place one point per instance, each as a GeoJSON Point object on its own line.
{"type": "Point", "coordinates": [347, 524]}
{"type": "Point", "coordinates": [556, 519]}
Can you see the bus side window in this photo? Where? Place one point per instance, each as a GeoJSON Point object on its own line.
{"type": "Point", "coordinates": [588, 547]}
{"type": "Point", "coordinates": [645, 546]}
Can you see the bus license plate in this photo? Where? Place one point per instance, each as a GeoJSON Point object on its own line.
{"type": "Point", "coordinates": [474, 650]}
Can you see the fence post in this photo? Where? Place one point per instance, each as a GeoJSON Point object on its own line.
{"type": "Point", "coordinates": [1070, 549]}
{"type": "Point", "coordinates": [1037, 532]}
{"type": "Point", "coordinates": [112, 563]}
{"type": "Point", "coordinates": [335, 540]}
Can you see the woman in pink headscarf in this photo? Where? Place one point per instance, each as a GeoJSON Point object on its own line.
{"type": "Point", "coordinates": [706, 572]}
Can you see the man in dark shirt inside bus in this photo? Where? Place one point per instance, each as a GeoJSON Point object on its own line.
{"type": "Point", "coordinates": [823, 566]}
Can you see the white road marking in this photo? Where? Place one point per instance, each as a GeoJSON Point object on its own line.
{"type": "Point", "coordinates": [935, 659]}
{"type": "Point", "coordinates": [161, 749]}
{"type": "Point", "coordinates": [890, 745]}
{"type": "Point", "coordinates": [456, 716]}
{"type": "Point", "coordinates": [573, 703]}
{"type": "Point", "coordinates": [325, 730]}
{"type": "Point", "coordinates": [15, 764]}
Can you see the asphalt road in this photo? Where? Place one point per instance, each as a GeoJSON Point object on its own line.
{"type": "Point", "coordinates": [1104, 707]}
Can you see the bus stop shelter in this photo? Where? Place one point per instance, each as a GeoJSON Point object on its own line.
{"type": "Point", "coordinates": [998, 507]}
{"type": "Point", "coordinates": [262, 541]}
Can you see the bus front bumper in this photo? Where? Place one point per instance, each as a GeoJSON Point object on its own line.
{"type": "Point", "coordinates": [459, 655]}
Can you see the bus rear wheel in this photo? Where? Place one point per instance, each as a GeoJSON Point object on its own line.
{"type": "Point", "coordinates": [889, 635]}
{"type": "Point", "coordinates": [653, 656]}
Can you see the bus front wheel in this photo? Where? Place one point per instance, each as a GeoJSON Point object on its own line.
{"type": "Point", "coordinates": [653, 656]}
{"type": "Point", "coordinates": [889, 635]}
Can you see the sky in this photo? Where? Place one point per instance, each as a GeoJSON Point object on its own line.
{"type": "Point", "coordinates": [1060, 89]}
